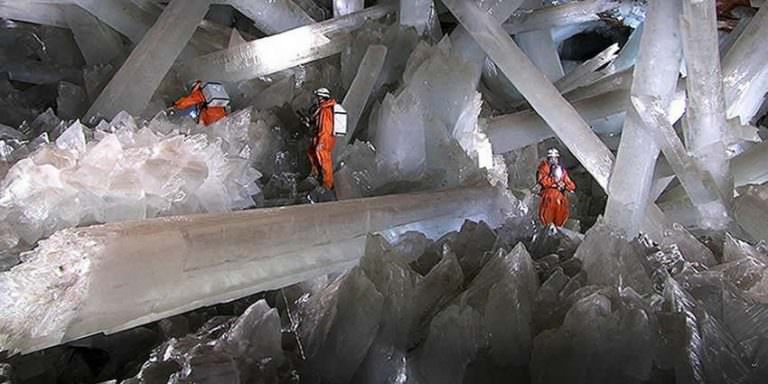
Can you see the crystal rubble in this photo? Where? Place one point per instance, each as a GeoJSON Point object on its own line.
{"type": "Point", "coordinates": [552, 16]}
{"type": "Point", "coordinates": [273, 16]}
{"type": "Point", "coordinates": [699, 184]}
{"type": "Point", "coordinates": [297, 46]}
{"type": "Point", "coordinates": [132, 87]}
{"type": "Point", "coordinates": [745, 78]}
{"type": "Point", "coordinates": [656, 74]}
{"type": "Point", "coordinates": [360, 91]}
{"type": "Point", "coordinates": [98, 43]}
{"type": "Point", "coordinates": [197, 251]}
{"type": "Point", "coordinates": [707, 132]}
{"type": "Point", "coordinates": [542, 95]}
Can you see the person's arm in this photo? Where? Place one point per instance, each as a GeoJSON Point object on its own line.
{"type": "Point", "coordinates": [570, 186]}
{"type": "Point", "coordinates": [543, 177]}
{"type": "Point", "coordinates": [193, 99]}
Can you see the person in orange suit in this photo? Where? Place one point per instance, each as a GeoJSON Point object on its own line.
{"type": "Point", "coordinates": [206, 115]}
{"type": "Point", "coordinates": [554, 181]}
{"type": "Point", "coordinates": [320, 151]}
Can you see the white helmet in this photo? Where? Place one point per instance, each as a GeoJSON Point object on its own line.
{"type": "Point", "coordinates": [323, 92]}
{"type": "Point", "coordinates": [553, 152]}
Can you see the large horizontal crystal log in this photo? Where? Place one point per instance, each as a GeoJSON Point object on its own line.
{"type": "Point", "coordinates": [549, 17]}
{"type": "Point", "coordinates": [111, 277]}
{"type": "Point", "coordinates": [281, 51]}
{"type": "Point", "coordinates": [273, 16]}
{"type": "Point", "coordinates": [137, 80]}
{"type": "Point", "coordinates": [745, 75]}
{"type": "Point", "coordinates": [562, 118]}
{"type": "Point", "coordinates": [517, 130]}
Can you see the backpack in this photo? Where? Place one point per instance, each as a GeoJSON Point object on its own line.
{"type": "Point", "coordinates": [215, 95]}
{"type": "Point", "coordinates": [339, 120]}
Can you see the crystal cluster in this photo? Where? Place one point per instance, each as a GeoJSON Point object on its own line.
{"type": "Point", "coordinates": [128, 173]}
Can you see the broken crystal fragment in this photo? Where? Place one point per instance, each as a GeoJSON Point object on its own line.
{"type": "Point", "coordinates": [137, 80]}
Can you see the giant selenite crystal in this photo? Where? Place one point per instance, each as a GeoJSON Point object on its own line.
{"type": "Point", "coordinates": [543, 96]}
{"type": "Point", "coordinates": [345, 7]}
{"type": "Point", "coordinates": [745, 76]}
{"type": "Point", "coordinates": [707, 130]}
{"type": "Point", "coordinates": [419, 14]}
{"type": "Point", "coordinates": [656, 74]}
{"type": "Point", "coordinates": [97, 41]}
{"type": "Point", "coordinates": [281, 51]}
{"type": "Point", "coordinates": [137, 80]}
{"type": "Point", "coordinates": [552, 16]}
{"type": "Point", "coordinates": [272, 17]}
{"type": "Point", "coordinates": [124, 16]}
{"type": "Point", "coordinates": [141, 271]}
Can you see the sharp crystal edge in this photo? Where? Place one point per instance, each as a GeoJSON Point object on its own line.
{"type": "Point", "coordinates": [360, 90]}
{"type": "Point", "coordinates": [699, 184]}
{"type": "Point", "coordinates": [281, 51]}
{"type": "Point", "coordinates": [745, 75]}
{"type": "Point", "coordinates": [656, 74]}
{"type": "Point", "coordinates": [549, 17]}
{"type": "Point", "coordinates": [122, 15]}
{"type": "Point", "coordinates": [706, 134]}
{"type": "Point", "coordinates": [98, 42]}
{"type": "Point", "coordinates": [107, 278]}
{"type": "Point", "coordinates": [581, 75]}
{"type": "Point", "coordinates": [542, 51]}
{"type": "Point", "coordinates": [136, 81]}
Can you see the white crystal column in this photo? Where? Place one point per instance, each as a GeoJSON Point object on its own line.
{"type": "Point", "coordinates": [701, 187]}
{"type": "Point", "coordinates": [548, 17]}
{"type": "Point", "coordinates": [281, 51]}
{"type": "Point", "coordinates": [359, 91]}
{"type": "Point", "coordinates": [745, 75]}
{"type": "Point", "coordinates": [706, 134]}
{"type": "Point", "coordinates": [656, 74]}
{"type": "Point", "coordinates": [345, 7]}
{"type": "Point", "coordinates": [98, 42]}
{"type": "Point", "coordinates": [137, 80]}
{"type": "Point", "coordinates": [273, 16]}
{"type": "Point", "coordinates": [112, 277]}
{"type": "Point", "coordinates": [417, 13]}
{"type": "Point", "coordinates": [564, 120]}
{"type": "Point", "coordinates": [542, 50]}
{"type": "Point", "coordinates": [122, 15]}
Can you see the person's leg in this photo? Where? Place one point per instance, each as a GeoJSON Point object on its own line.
{"type": "Point", "coordinates": [326, 165]}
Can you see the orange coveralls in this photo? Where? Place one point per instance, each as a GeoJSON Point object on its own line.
{"type": "Point", "coordinates": [322, 147]}
{"type": "Point", "coordinates": [554, 207]}
{"type": "Point", "coordinates": [208, 115]}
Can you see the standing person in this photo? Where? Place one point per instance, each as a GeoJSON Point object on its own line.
{"type": "Point", "coordinates": [320, 151]}
{"type": "Point", "coordinates": [554, 181]}
{"type": "Point", "coordinates": [206, 112]}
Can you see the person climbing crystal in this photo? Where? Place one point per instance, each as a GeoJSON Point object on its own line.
{"type": "Point", "coordinates": [319, 153]}
{"type": "Point", "coordinates": [206, 103]}
{"type": "Point", "coordinates": [553, 181]}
